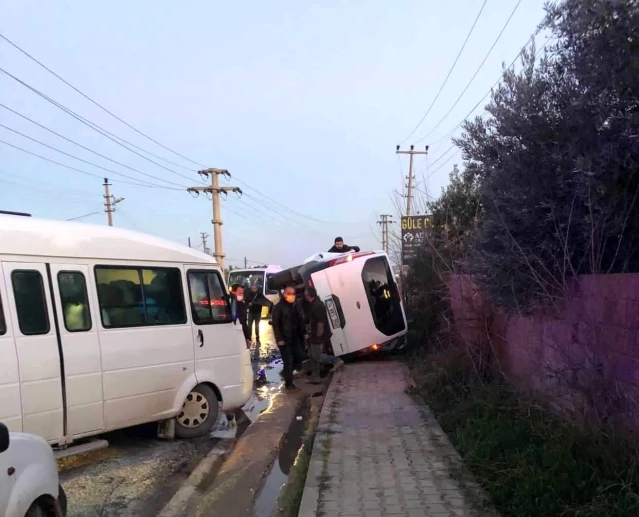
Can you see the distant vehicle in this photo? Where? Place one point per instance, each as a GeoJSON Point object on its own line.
{"type": "Point", "coordinates": [257, 276]}
{"type": "Point", "coordinates": [361, 297]}
{"type": "Point", "coordinates": [29, 485]}
{"type": "Point", "coordinates": [103, 328]}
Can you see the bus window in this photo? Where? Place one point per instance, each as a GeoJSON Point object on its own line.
{"type": "Point", "coordinates": [3, 323]}
{"type": "Point", "coordinates": [247, 279]}
{"type": "Point", "coordinates": [31, 305]}
{"type": "Point", "coordinates": [383, 300]}
{"type": "Point", "coordinates": [75, 302]}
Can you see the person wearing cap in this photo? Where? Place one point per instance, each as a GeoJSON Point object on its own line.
{"type": "Point", "coordinates": [340, 247]}
{"type": "Point", "coordinates": [319, 335]}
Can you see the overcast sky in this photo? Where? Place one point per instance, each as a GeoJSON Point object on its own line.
{"type": "Point", "coordinates": [302, 102]}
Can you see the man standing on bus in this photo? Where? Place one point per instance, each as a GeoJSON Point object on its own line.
{"type": "Point", "coordinates": [287, 326]}
{"type": "Point", "coordinates": [340, 247]}
{"type": "Point", "coordinates": [319, 336]}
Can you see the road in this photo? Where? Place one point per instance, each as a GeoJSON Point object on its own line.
{"type": "Point", "coordinates": [138, 473]}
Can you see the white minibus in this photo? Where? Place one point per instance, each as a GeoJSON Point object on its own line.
{"type": "Point", "coordinates": [104, 328]}
{"type": "Point", "coordinates": [257, 276]}
{"type": "Point", "coordinates": [361, 297]}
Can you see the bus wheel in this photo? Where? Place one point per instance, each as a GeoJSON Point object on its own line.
{"type": "Point", "coordinates": [199, 413]}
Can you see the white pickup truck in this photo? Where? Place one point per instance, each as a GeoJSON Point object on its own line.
{"type": "Point", "coordinates": [29, 485]}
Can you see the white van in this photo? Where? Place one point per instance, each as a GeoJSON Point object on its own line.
{"type": "Point", "coordinates": [29, 485]}
{"type": "Point", "coordinates": [361, 297]}
{"type": "Point", "coordinates": [104, 328]}
{"type": "Point", "coordinates": [257, 276]}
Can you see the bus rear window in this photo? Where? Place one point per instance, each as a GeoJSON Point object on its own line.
{"type": "Point", "coordinates": [383, 297]}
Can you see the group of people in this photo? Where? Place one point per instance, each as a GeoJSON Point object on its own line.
{"type": "Point", "coordinates": [296, 321]}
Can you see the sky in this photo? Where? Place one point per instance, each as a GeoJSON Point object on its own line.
{"type": "Point", "coordinates": [302, 102]}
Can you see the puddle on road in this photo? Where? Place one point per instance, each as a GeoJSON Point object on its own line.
{"type": "Point", "coordinates": [267, 366]}
{"type": "Point", "coordinates": [265, 505]}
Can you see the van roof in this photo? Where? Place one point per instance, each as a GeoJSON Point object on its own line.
{"type": "Point", "coordinates": [48, 238]}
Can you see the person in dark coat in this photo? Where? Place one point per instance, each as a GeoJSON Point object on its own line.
{"type": "Point", "coordinates": [319, 336]}
{"type": "Point", "coordinates": [255, 301]}
{"type": "Point", "coordinates": [239, 310]}
{"type": "Point", "coordinates": [340, 247]}
{"type": "Point", "coordinates": [287, 327]}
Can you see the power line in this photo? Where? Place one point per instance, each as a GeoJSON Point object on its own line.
{"type": "Point", "coordinates": [443, 163]}
{"type": "Point", "coordinates": [93, 101]}
{"type": "Point", "coordinates": [449, 72]}
{"type": "Point", "coordinates": [531, 37]}
{"type": "Point", "coordinates": [112, 136]}
{"type": "Point", "coordinates": [85, 161]}
{"type": "Point", "coordinates": [81, 171]}
{"type": "Point", "coordinates": [88, 123]}
{"type": "Point", "coordinates": [475, 74]}
{"type": "Point", "coordinates": [85, 215]}
{"type": "Point", "coordinates": [80, 145]}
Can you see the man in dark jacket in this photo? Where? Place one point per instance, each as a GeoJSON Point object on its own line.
{"type": "Point", "coordinates": [287, 326]}
{"type": "Point", "coordinates": [238, 307]}
{"type": "Point", "coordinates": [255, 301]}
{"type": "Point", "coordinates": [340, 247]}
{"type": "Point", "coordinates": [319, 336]}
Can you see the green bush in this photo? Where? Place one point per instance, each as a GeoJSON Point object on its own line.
{"type": "Point", "coordinates": [530, 463]}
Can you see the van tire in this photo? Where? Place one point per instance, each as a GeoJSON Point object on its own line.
{"type": "Point", "coordinates": [187, 425]}
{"type": "Point", "coordinates": [62, 501]}
{"type": "Point", "coordinates": [36, 510]}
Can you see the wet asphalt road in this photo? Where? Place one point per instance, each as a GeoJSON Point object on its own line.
{"type": "Point", "coordinates": [138, 473]}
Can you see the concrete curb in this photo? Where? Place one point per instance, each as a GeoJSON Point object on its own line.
{"type": "Point", "coordinates": [309, 505]}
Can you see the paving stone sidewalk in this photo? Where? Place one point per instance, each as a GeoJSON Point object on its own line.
{"type": "Point", "coordinates": [378, 453]}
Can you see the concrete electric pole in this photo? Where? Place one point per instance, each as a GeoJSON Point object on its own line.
{"type": "Point", "coordinates": [411, 176]}
{"type": "Point", "coordinates": [204, 237]}
{"type": "Point", "coordinates": [214, 189]}
{"type": "Point", "coordinates": [110, 202]}
{"type": "Point", "coordinates": [385, 221]}
{"type": "Point", "coordinates": [245, 263]}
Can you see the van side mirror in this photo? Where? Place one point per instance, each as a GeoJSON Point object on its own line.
{"type": "Point", "coordinates": [4, 438]}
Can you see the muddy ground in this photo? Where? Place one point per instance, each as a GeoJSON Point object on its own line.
{"type": "Point", "coordinates": [140, 475]}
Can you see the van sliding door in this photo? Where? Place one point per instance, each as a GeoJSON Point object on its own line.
{"type": "Point", "coordinates": [32, 317]}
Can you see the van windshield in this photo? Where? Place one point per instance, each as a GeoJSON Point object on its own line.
{"type": "Point", "coordinates": [247, 279]}
{"type": "Point", "coordinates": [383, 297]}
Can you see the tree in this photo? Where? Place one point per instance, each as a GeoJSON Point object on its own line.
{"type": "Point", "coordinates": [556, 161]}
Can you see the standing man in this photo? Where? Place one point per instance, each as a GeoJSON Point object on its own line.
{"type": "Point", "coordinates": [340, 247]}
{"type": "Point", "coordinates": [253, 299]}
{"type": "Point", "coordinates": [319, 336]}
{"type": "Point", "coordinates": [238, 310]}
{"type": "Point", "coordinates": [287, 325]}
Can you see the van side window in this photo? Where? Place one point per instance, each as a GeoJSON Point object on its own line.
{"type": "Point", "coordinates": [3, 323]}
{"type": "Point", "coordinates": [209, 301]}
{"type": "Point", "coordinates": [135, 297]}
{"type": "Point", "coordinates": [75, 301]}
{"type": "Point", "coordinates": [31, 304]}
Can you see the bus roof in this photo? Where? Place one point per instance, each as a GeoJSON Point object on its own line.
{"type": "Point", "coordinates": [268, 269]}
{"type": "Point", "coordinates": [30, 236]}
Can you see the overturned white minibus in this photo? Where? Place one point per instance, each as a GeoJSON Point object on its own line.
{"type": "Point", "coordinates": [104, 328]}
{"type": "Point", "coordinates": [361, 297]}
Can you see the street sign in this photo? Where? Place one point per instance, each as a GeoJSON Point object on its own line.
{"type": "Point", "coordinates": [414, 229]}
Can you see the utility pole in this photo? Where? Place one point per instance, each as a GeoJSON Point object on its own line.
{"type": "Point", "coordinates": [385, 221]}
{"type": "Point", "coordinates": [189, 242]}
{"type": "Point", "coordinates": [411, 176]}
{"type": "Point", "coordinates": [204, 237]}
{"type": "Point", "coordinates": [110, 201]}
{"type": "Point", "coordinates": [245, 263]}
{"type": "Point", "coordinates": [214, 189]}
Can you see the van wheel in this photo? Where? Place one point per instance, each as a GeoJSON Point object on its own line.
{"type": "Point", "coordinates": [199, 413]}
{"type": "Point", "coordinates": [36, 510]}
{"type": "Point", "coordinates": [62, 501]}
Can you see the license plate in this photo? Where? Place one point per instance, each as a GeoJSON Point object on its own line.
{"type": "Point", "coordinates": [332, 314]}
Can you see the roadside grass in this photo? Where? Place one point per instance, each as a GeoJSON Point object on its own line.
{"type": "Point", "coordinates": [291, 495]}
{"type": "Point", "coordinates": [530, 463]}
